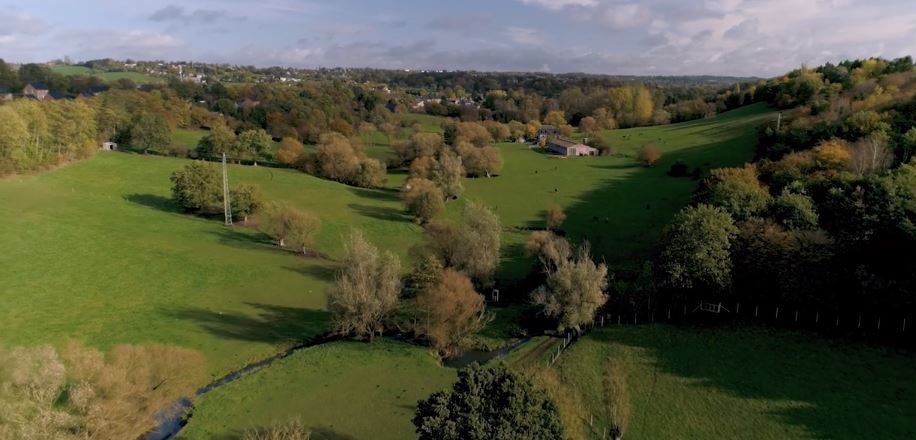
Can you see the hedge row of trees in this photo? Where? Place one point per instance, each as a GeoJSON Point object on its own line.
{"type": "Point", "coordinates": [818, 227]}
{"type": "Point", "coordinates": [826, 217]}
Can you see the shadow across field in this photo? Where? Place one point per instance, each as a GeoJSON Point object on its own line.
{"type": "Point", "coordinates": [152, 201]}
{"type": "Point", "coordinates": [270, 323]}
{"type": "Point", "coordinates": [623, 216]}
{"type": "Point", "coordinates": [831, 390]}
{"type": "Point", "coordinates": [380, 194]}
{"type": "Point", "coordinates": [381, 212]}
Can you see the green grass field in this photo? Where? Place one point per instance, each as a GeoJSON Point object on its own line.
{"type": "Point", "coordinates": [617, 205]}
{"type": "Point", "coordinates": [345, 390]}
{"type": "Point", "coordinates": [139, 78]}
{"type": "Point", "coordinates": [96, 251]}
{"type": "Point", "coordinates": [187, 138]}
{"type": "Point", "coordinates": [746, 384]}
{"type": "Point", "coordinates": [101, 237]}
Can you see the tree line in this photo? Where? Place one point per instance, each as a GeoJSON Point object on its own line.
{"type": "Point", "coordinates": [825, 216]}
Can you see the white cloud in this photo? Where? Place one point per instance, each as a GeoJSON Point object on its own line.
{"type": "Point", "coordinates": [556, 5]}
{"type": "Point", "coordinates": [525, 36]}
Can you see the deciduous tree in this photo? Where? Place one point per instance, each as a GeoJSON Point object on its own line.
{"type": "Point", "coordinates": [197, 188]}
{"type": "Point", "coordinates": [423, 199]}
{"type": "Point", "coordinates": [452, 311]}
{"type": "Point", "coordinates": [367, 289]}
{"type": "Point", "coordinates": [648, 154]}
{"type": "Point", "coordinates": [696, 249]}
{"type": "Point", "coordinates": [489, 403]}
{"type": "Point", "coordinates": [575, 284]}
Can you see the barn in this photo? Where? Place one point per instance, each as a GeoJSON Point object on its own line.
{"type": "Point", "coordinates": [566, 147]}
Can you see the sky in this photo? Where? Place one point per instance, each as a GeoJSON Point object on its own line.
{"type": "Point", "coordinates": [653, 37]}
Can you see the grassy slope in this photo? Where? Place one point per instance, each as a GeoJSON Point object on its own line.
{"type": "Point", "coordinates": [619, 206]}
{"type": "Point", "coordinates": [136, 77]}
{"type": "Point", "coordinates": [344, 390]}
{"type": "Point", "coordinates": [102, 238]}
{"type": "Point", "coordinates": [95, 251]}
{"type": "Point", "coordinates": [728, 383]}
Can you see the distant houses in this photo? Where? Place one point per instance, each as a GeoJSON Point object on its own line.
{"type": "Point", "coordinates": [566, 147]}
{"type": "Point", "coordinates": [5, 94]}
{"type": "Point", "coordinates": [547, 132]}
{"type": "Point", "coordinates": [36, 90]}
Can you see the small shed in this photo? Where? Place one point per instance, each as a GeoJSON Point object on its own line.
{"type": "Point", "coordinates": [108, 146]}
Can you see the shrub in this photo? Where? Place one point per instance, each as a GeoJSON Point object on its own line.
{"type": "Point", "coordinates": [649, 154]}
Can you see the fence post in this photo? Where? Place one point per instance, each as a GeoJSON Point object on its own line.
{"type": "Point", "coordinates": [634, 318]}
{"type": "Point", "coordinates": [817, 316]}
{"type": "Point", "coordinates": [879, 323]}
{"type": "Point", "coordinates": [837, 319]}
{"type": "Point", "coordinates": [738, 309]}
{"type": "Point", "coordinates": [756, 308]}
{"type": "Point", "coordinates": [618, 319]}
{"type": "Point", "coordinates": [859, 325]}
{"type": "Point", "coordinates": [796, 316]}
{"type": "Point", "coordinates": [777, 313]}
{"type": "Point", "coordinates": [685, 309]}
{"type": "Point", "coordinates": [904, 325]}
{"type": "Point", "coordinates": [669, 313]}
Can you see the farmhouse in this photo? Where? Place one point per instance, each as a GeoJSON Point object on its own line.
{"type": "Point", "coordinates": [36, 90]}
{"type": "Point", "coordinates": [548, 131]}
{"type": "Point", "coordinates": [108, 146]}
{"type": "Point", "coordinates": [566, 147]}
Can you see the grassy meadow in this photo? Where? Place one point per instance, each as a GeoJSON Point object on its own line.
{"type": "Point", "coordinates": [137, 77]}
{"type": "Point", "coordinates": [704, 383]}
{"type": "Point", "coordinates": [97, 251]}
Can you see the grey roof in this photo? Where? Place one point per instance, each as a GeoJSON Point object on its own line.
{"type": "Point", "coordinates": [565, 143]}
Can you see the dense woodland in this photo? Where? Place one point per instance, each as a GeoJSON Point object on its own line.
{"type": "Point", "coordinates": [825, 217]}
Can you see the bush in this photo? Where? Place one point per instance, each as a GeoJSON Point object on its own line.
{"type": "Point", "coordinates": [649, 154]}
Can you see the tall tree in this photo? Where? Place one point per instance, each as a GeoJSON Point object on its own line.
{"type": "Point", "coordinates": [451, 312]}
{"type": "Point", "coordinates": [367, 290]}
{"type": "Point", "coordinates": [575, 285]}
{"type": "Point", "coordinates": [149, 131]}
{"type": "Point", "coordinates": [696, 249]}
{"type": "Point", "coordinates": [197, 188]}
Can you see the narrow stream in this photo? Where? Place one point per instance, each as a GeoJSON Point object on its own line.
{"type": "Point", "coordinates": [172, 422]}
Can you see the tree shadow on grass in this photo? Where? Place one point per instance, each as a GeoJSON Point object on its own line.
{"type": "Point", "coordinates": [243, 238]}
{"type": "Point", "coordinates": [380, 194]}
{"type": "Point", "coordinates": [153, 201]}
{"type": "Point", "coordinates": [831, 390]}
{"type": "Point", "coordinates": [269, 323]}
{"type": "Point", "coordinates": [321, 272]}
{"type": "Point", "coordinates": [380, 212]}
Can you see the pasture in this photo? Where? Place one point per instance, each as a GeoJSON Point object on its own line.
{"type": "Point", "coordinates": [97, 251]}
{"type": "Point", "coordinates": [137, 77]}
{"type": "Point", "coordinates": [704, 383]}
